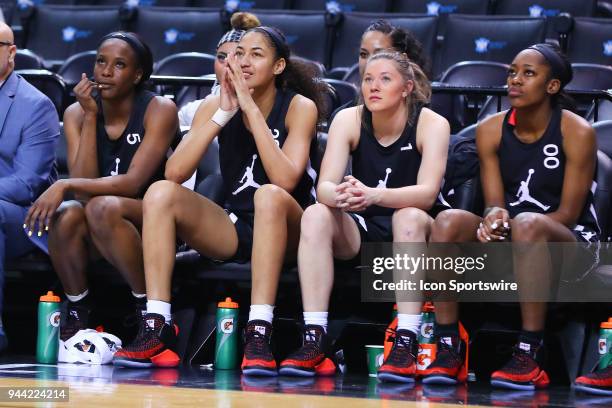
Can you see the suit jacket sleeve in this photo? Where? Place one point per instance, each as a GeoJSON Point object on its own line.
{"type": "Point", "coordinates": [34, 157]}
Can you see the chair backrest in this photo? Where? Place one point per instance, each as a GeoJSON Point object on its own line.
{"type": "Point", "coordinates": [546, 8]}
{"type": "Point", "coordinates": [476, 73]}
{"type": "Point", "coordinates": [440, 7]}
{"type": "Point", "coordinates": [57, 32]}
{"type": "Point", "coordinates": [349, 32]}
{"type": "Point", "coordinates": [172, 30]}
{"type": "Point", "coordinates": [243, 5]}
{"type": "Point", "coordinates": [186, 64]}
{"type": "Point", "coordinates": [352, 75]}
{"type": "Point", "coordinates": [74, 66]}
{"type": "Point", "coordinates": [191, 93]}
{"type": "Point", "coordinates": [26, 59]}
{"type": "Point", "coordinates": [346, 91]}
{"type": "Point", "coordinates": [590, 41]}
{"type": "Point", "coordinates": [604, 111]}
{"type": "Point", "coordinates": [160, 3]}
{"type": "Point", "coordinates": [591, 76]}
{"type": "Point", "coordinates": [48, 83]}
{"type": "Point", "coordinates": [602, 198]}
{"type": "Point", "coordinates": [306, 32]}
{"type": "Point", "coordinates": [345, 6]}
{"type": "Point", "coordinates": [490, 107]}
{"type": "Point", "coordinates": [603, 130]}
{"type": "Point", "coordinates": [487, 38]}
{"type": "Point", "coordinates": [458, 109]}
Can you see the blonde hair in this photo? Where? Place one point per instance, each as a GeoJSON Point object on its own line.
{"type": "Point", "coordinates": [421, 91]}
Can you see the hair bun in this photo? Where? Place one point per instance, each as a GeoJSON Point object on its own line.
{"type": "Point", "coordinates": [244, 21]}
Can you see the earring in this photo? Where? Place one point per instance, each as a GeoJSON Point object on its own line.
{"type": "Point", "coordinates": [404, 94]}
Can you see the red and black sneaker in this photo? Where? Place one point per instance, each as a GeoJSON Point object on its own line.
{"type": "Point", "coordinates": [75, 319]}
{"type": "Point", "coordinates": [523, 371]}
{"type": "Point", "coordinates": [448, 368]}
{"type": "Point", "coordinates": [400, 365]}
{"type": "Point", "coordinates": [258, 359]}
{"type": "Point", "coordinates": [153, 346]}
{"type": "Point", "coordinates": [598, 382]}
{"type": "Point", "coordinates": [310, 359]}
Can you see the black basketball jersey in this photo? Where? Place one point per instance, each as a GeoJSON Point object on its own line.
{"type": "Point", "coordinates": [241, 167]}
{"type": "Point", "coordinates": [393, 166]}
{"type": "Point", "coordinates": [115, 156]}
{"type": "Point", "coordinates": [532, 174]}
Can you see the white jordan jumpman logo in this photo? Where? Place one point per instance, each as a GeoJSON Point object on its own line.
{"type": "Point", "coordinates": [116, 171]}
{"type": "Point", "coordinates": [248, 179]}
{"type": "Point", "coordinates": [523, 194]}
{"type": "Point", "coordinates": [383, 183]}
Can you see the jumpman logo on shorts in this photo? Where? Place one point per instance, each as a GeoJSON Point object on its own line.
{"type": "Point", "coordinates": [587, 235]}
{"type": "Point", "coordinates": [523, 194]}
{"type": "Point", "coordinates": [248, 179]}
{"type": "Point", "coordinates": [116, 171]}
{"type": "Point", "coordinates": [383, 183]}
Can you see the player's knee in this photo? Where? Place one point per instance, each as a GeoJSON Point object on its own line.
{"type": "Point", "coordinates": [161, 195]}
{"type": "Point", "coordinates": [316, 222]}
{"type": "Point", "coordinates": [69, 223]}
{"type": "Point", "coordinates": [528, 227]}
{"type": "Point", "coordinates": [409, 224]}
{"type": "Point", "coordinates": [446, 226]}
{"type": "Point", "coordinates": [102, 212]}
{"type": "Point", "coordinates": [270, 200]}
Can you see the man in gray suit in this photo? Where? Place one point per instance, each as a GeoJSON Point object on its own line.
{"type": "Point", "coordinates": [29, 128]}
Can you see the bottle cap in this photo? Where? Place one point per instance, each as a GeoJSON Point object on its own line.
{"type": "Point", "coordinates": [50, 297]}
{"type": "Point", "coordinates": [228, 304]}
{"type": "Point", "coordinates": [607, 325]}
{"type": "Point", "coordinates": [395, 307]}
{"type": "Point", "coordinates": [428, 307]}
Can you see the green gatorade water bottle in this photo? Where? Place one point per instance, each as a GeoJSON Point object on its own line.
{"type": "Point", "coordinates": [48, 328]}
{"type": "Point", "coordinates": [226, 349]}
{"type": "Point", "coordinates": [605, 344]}
{"type": "Point", "coordinates": [427, 344]}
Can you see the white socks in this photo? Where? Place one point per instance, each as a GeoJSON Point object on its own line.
{"type": "Point", "coordinates": [318, 318]}
{"type": "Point", "coordinates": [261, 312]}
{"type": "Point", "coordinates": [76, 298]}
{"type": "Point", "coordinates": [159, 307]}
{"type": "Point", "coordinates": [139, 295]}
{"type": "Point", "coordinates": [409, 322]}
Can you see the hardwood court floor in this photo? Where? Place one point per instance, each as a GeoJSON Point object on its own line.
{"type": "Point", "coordinates": [195, 386]}
{"type": "Point", "coordinates": [128, 395]}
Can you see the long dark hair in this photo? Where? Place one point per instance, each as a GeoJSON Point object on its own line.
{"type": "Point", "coordinates": [298, 76]}
{"type": "Point", "coordinates": [403, 41]}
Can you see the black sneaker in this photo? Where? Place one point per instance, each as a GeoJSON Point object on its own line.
{"type": "Point", "coordinates": [75, 319]}
{"type": "Point", "coordinates": [448, 368]}
{"type": "Point", "coordinates": [310, 359]}
{"type": "Point", "coordinates": [153, 346]}
{"type": "Point", "coordinates": [258, 358]}
{"type": "Point", "coordinates": [400, 365]}
{"type": "Point", "coordinates": [523, 371]}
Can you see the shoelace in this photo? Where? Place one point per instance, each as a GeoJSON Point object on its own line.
{"type": "Point", "coordinates": [256, 341]}
{"type": "Point", "coordinates": [520, 359]}
{"type": "Point", "coordinates": [449, 352]}
{"type": "Point", "coordinates": [402, 346]}
{"type": "Point", "coordinates": [309, 349]}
